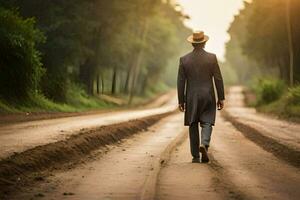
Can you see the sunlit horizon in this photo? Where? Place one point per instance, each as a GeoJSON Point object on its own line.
{"type": "Point", "coordinates": [214, 18]}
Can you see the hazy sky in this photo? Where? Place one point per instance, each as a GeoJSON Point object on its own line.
{"type": "Point", "coordinates": [213, 17]}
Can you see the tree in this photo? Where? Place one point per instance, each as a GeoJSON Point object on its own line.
{"type": "Point", "coordinates": [259, 33]}
{"type": "Point", "coordinates": [109, 43]}
{"type": "Point", "coordinates": [20, 65]}
{"type": "Point", "coordinates": [290, 41]}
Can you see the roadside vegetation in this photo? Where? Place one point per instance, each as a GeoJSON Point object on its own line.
{"type": "Point", "coordinates": [274, 97]}
{"type": "Point", "coordinates": [264, 54]}
{"type": "Point", "coordinates": [63, 55]}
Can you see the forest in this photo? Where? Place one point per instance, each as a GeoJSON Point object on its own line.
{"type": "Point", "coordinates": [65, 52]}
{"type": "Point", "coordinates": [62, 55]}
{"type": "Point", "coordinates": [262, 36]}
{"type": "Point", "coordinates": [264, 53]}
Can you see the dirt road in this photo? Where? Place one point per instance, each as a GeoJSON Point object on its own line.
{"type": "Point", "coordinates": [126, 171]}
{"type": "Point", "coordinates": [15, 138]}
{"type": "Point", "coordinates": [156, 164]}
{"type": "Point", "coordinates": [284, 132]}
{"type": "Point", "coordinates": [239, 170]}
{"type": "Point", "coordinates": [279, 137]}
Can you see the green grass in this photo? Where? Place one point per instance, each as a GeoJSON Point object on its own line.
{"type": "Point", "coordinates": [39, 103]}
{"type": "Point", "coordinates": [77, 101]}
{"type": "Point", "coordinates": [288, 106]}
{"type": "Point", "coordinates": [269, 90]}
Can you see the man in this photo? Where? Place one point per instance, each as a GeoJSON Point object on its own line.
{"type": "Point", "coordinates": [196, 95]}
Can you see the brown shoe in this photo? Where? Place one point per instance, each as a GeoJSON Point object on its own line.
{"type": "Point", "coordinates": [204, 155]}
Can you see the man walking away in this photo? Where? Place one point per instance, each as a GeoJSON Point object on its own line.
{"type": "Point", "coordinates": [196, 95]}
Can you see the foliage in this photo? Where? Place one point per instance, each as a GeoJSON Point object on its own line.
{"type": "Point", "coordinates": [269, 90]}
{"type": "Point", "coordinates": [101, 46]}
{"type": "Point", "coordinates": [293, 96]}
{"type": "Point", "coordinates": [288, 106]}
{"type": "Point", "coordinates": [21, 68]}
{"type": "Point", "coordinates": [259, 48]}
{"type": "Point", "coordinates": [259, 40]}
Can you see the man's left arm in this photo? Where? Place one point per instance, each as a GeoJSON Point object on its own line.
{"type": "Point", "coordinates": [219, 83]}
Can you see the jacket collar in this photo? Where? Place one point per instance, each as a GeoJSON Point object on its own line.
{"type": "Point", "coordinates": [198, 50]}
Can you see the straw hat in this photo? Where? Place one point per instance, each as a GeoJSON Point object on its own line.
{"type": "Point", "coordinates": [197, 37]}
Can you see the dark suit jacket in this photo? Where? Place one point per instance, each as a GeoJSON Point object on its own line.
{"type": "Point", "coordinates": [196, 73]}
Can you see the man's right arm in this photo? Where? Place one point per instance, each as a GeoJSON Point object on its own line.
{"type": "Point", "coordinates": [219, 83]}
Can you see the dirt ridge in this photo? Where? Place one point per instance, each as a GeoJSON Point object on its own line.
{"type": "Point", "coordinates": [281, 151]}
{"type": "Point", "coordinates": [16, 169]}
{"type": "Point", "coordinates": [223, 180]}
{"type": "Point", "coordinates": [150, 186]}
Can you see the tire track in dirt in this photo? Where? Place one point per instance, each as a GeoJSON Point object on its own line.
{"type": "Point", "coordinates": [128, 170]}
{"type": "Point", "coordinates": [239, 169]}
{"type": "Point", "coordinates": [181, 179]}
{"type": "Point", "coordinates": [222, 181]}
{"type": "Point", "coordinates": [255, 172]}
{"type": "Point", "coordinates": [281, 151]}
{"type": "Point", "coordinates": [20, 169]}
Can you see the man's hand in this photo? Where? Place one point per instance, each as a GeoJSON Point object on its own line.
{"type": "Point", "coordinates": [181, 107]}
{"type": "Point", "coordinates": [220, 104]}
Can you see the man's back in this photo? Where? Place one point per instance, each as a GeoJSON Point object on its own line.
{"type": "Point", "coordinates": [196, 96]}
{"type": "Point", "coordinates": [195, 85]}
{"type": "Point", "coordinates": [199, 68]}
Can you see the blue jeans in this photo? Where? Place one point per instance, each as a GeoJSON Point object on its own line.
{"type": "Point", "coordinates": [194, 137]}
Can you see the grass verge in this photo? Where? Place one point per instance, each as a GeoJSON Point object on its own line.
{"type": "Point", "coordinates": [273, 97]}
{"type": "Point", "coordinates": [287, 106]}
{"type": "Point", "coordinates": [77, 101]}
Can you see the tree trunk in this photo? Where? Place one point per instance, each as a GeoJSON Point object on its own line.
{"type": "Point", "coordinates": [290, 42]}
{"type": "Point", "coordinates": [136, 66]}
{"type": "Point", "coordinates": [144, 86]}
{"type": "Point", "coordinates": [126, 86]}
{"type": "Point", "coordinates": [98, 82]}
{"type": "Point", "coordinates": [102, 84]}
{"type": "Point", "coordinates": [114, 81]}
{"type": "Point", "coordinates": [86, 76]}
{"type": "Point", "coordinates": [295, 24]}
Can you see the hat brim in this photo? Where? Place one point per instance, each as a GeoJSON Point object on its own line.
{"type": "Point", "coordinates": [190, 39]}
